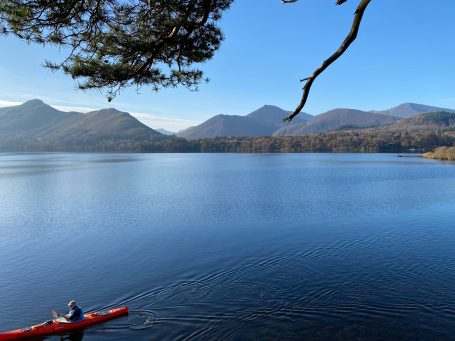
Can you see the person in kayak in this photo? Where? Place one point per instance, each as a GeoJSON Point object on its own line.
{"type": "Point", "coordinates": [74, 315]}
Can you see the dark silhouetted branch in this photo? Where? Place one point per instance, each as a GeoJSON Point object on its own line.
{"type": "Point", "coordinates": [344, 46]}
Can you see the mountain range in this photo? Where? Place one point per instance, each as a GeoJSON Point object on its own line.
{"type": "Point", "coordinates": [261, 122]}
{"type": "Point", "coordinates": [338, 119]}
{"type": "Point", "coordinates": [35, 125]}
{"type": "Point", "coordinates": [268, 121]}
{"type": "Point", "coordinates": [36, 122]}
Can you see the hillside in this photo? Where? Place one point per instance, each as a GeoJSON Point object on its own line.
{"type": "Point", "coordinates": [427, 121]}
{"type": "Point", "coordinates": [338, 119]}
{"type": "Point", "coordinates": [407, 110]}
{"type": "Point", "coordinates": [36, 122]}
{"type": "Point", "coordinates": [32, 118]}
{"type": "Point", "coordinates": [36, 126]}
{"type": "Point", "coordinates": [267, 121]}
{"type": "Point", "coordinates": [165, 132]}
{"type": "Point", "coordinates": [261, 122]}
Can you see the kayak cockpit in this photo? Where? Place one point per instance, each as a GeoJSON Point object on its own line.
{"type": "Point", "coordinates": [64, 320]}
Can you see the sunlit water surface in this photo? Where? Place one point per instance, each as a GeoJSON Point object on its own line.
{"type": "Point", "coordinates": [231, 246]}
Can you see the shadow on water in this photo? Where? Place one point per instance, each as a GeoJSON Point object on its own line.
{"type": "Point", "coordinates": [77, 335]}
{"type": "Point", "coordinates": [74, 336]}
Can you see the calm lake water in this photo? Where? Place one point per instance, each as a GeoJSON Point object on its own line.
{"type": "Point", "coordinates": [231, 246]}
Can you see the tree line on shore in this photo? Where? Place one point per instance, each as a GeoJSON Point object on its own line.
{"type": "Point", "coordinates": [363, 140]}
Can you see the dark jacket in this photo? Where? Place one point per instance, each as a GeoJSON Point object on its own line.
{"type": "Point", "coordinates": [75, 314]}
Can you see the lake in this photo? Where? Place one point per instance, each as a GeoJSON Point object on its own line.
{"type": "Point", "coordinates": [231, 246]}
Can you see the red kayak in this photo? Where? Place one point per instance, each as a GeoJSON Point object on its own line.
{"type": "Point", "coordinates": [58, 326]}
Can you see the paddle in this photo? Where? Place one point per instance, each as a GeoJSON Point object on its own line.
{"type": "Point", "coordinates": [56, 314]}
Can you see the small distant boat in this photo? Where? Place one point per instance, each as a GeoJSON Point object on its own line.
{"type": "Point", "coordinates": [59, 325]}
{"type": "Point", "coordinates": [400, 155]}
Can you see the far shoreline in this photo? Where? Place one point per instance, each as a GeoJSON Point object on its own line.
{"type": "Point", "coordinates": [398, 154]}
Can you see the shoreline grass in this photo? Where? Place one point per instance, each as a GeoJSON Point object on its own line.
{"type": "Point", "coordinates": [441, 153]}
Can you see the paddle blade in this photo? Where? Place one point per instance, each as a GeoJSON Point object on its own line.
{"type": "Point", "coordinates": [55, 314]}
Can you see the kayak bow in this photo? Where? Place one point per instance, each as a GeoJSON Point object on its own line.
{"type": "Point", "coordinates": [58, 326]}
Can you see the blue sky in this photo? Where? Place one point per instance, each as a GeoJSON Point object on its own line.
{"type": "Point", "coordinates": [404, 53]}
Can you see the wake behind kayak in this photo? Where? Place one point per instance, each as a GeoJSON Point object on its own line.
{"type": "Point", "coordinates": [58, 326]}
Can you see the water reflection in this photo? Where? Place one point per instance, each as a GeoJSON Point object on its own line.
{"type": "Point", "coordinates": [13, 165]}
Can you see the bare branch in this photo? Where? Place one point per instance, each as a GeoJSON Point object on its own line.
{"type": "Point", "coordinates": [344, 46]}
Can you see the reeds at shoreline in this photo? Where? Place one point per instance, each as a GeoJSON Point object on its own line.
{"type": "Point", "coordinates": [441, 153]}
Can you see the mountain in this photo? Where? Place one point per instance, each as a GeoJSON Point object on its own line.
{"type": "Point", "coordinates": [274, 114]}
{"type": "Point", "coordinates": [267, 121]}
{"type": "Point", "coordinates": [337, 119]}
{"type": "Point", "coordinates": [261, 122]}
{"type": "Point", "coordinates": [36, 122]}
{"type": "Point", "coordinates": [104, 124]}
{"type": "Point", "coordinates": [407, 110]}
{"type": "Point", "coordinates": [32, 117]}
{"type": "Point", "coordinates": [165, 132]}
{"type": "Point", "coordinates": [441, 120]}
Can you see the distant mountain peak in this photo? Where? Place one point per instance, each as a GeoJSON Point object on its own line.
{"type": "Point", "coordinates": [108, 112]}
{"type": "Point", "coordinates": [33, 102]}
{"type": "Point", "coordinates": [113, 110]}
{"type": "Point", "coordinates": [110, 109]}
{"type": "Point", "coordinates": [409, 109]}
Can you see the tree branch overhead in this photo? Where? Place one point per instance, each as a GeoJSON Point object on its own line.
{"type": "Point", "coordinates": [114, 44]}
{"type": "Point", "coordinates": [352, 35]}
